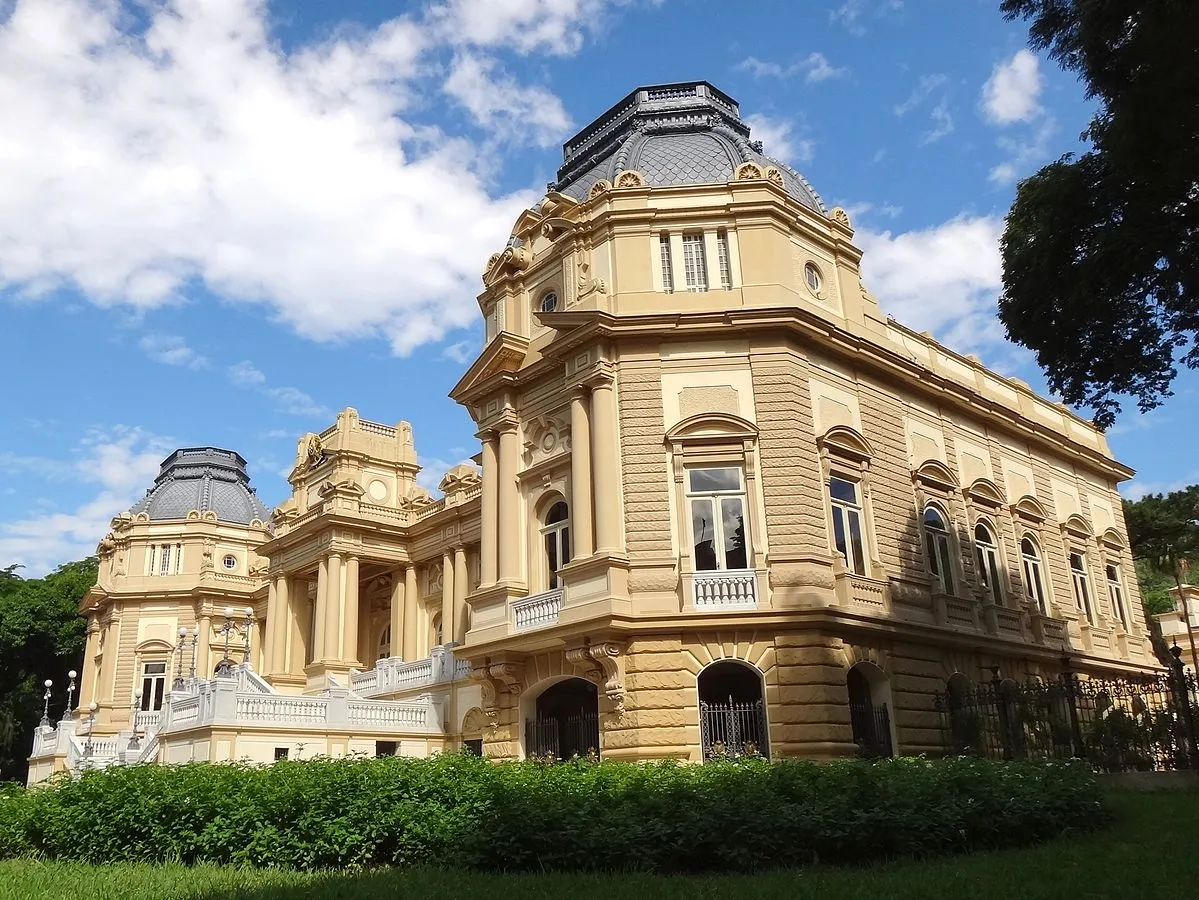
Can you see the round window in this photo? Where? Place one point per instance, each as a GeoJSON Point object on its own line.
{"type": "Point", "coordinates": [812, 276]}
{"type": "Point", "coordinates": [230, 561]}
{"type": "Point", "coordinates": [549, 302]}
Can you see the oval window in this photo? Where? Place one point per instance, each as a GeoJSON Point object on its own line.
{"type": "Point", "coordinates": [549, 302]}
{"type": "Point", "coordinates": [812, 276]}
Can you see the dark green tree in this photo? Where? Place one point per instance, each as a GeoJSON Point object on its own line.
{"type": "Point", "coordinates": [1101, 251]}
{"type": "Point", "coordinates": [41, 636]}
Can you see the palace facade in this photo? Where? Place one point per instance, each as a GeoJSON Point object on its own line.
{"type": "Point", "coordinates": [723, 504]}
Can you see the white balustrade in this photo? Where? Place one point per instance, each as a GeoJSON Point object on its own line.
{"type": "Point", "coordinates": [539, 611]}
{"type": "Point", "coordinates": [725, 589]}
{"type": "Point", "coordinates": [282, 708]}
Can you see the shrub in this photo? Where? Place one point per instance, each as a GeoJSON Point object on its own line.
{"type": "Point", "coordinates": [460, 811]}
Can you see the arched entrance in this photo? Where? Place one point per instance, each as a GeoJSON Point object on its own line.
{"type": "Point", "coordinates": [565, 722]}
{"type": "Point", "coordinates": [732, 711]}
{"type": "Point", "coordinates": [870, 710]}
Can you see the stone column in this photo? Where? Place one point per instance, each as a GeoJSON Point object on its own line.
{"type": "Point", "coordinates": [334, 609]}
{"type": "Point", "coordinates": [272, 615]}
{"type": "Point", "coordinates": [204, 650]}
{"type": "Point", "coordinates": [508, 524]}
{"type": "Point", "coordinates": [349, 649]}
{"type": "Point", "coordinates": [319, 608]}
{"type": "Point", "coordinates": [90, 674]}
{"type": "Point", "coordinates": [605, 454]}
{"type": "Point", "coordinates": [580, 476]}
{"type": "Point", "coordinates": [396, 613]}
{"type": "Point", "coordinates": [297, 626]}
{"type": "Point", "coordinates": [447, 597]}
{"type": "Point", "coordinates": [279, 626]}
{"type": "Point", "coordinates": [489, 511]}
{"type": "Point", "coordinates": [461, 581]}
{"type": "Point", "coordinates": [412, 621]}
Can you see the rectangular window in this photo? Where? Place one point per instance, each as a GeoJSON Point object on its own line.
{"type": "Point", "coordinates": [1033, 583]}
{"type": "Point", "coordinates": [178, 558]}
{"type": "Point", "coordinates": [722, 258]}
{"type": "Point", "coordinates": [695, 263]}
{"type": "Point", "coordinates": [386, 748]}
{"type": "Point", "coordinates": [846, 505]}
{"type": "Point", "coordinates": [667, 263]}
{"type": "Point", "coordinates": [1115, 591]}
{"type": "Point", "coordinates": [154, 682]}
{"type": "Point", "coordinates": [280, 753]}
{"type": "Point", "coordinates": [1082, 591]}
{"type": "Point", "coordinates": [716, 499]}
{"type": "Point", "coordinates": [164, 567]}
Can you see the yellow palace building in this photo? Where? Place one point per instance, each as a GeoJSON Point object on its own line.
{"type": "Point", "coordinates": [722, 504]}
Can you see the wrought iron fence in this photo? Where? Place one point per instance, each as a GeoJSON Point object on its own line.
{"type": "Point", "coordinates": [1117, 724]}
{"type": "Point", "coordinates": [733, 730]}
{"type": "Point", "coordinates": [556, 738]}
{"type": "Point", "coordinates": [871, 729]}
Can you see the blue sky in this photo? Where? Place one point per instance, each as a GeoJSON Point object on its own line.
{"type": "Point", "coordinates": [223, 220]}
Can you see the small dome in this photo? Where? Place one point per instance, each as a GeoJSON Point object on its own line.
{"type": "Point", "coordinates": [203, 479]}
{"type": "Point", "coordinates": [672, 134]}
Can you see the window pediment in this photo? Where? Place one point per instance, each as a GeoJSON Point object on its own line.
{"type": "Point", "coordinates": [935, 474]}
{"type": "Point", "coordinates": [1029, 508]}
{"type": "Point", "coordinates": [985, 492]}
{"type": "Point", "coordinates": [712, 428]}
{"type": "Point", "coordinates": [1111, 538]}
{"type": "Point", "coordinates": [1078, 526]}
{"type": "Point", "coordinates": [154, 645]}
{"type": "Point", "coordinates": [841, 440]}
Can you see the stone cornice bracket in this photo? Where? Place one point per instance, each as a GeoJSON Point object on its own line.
{"type": "Point", "coordinates": [604, 664]}
{"type": "Point", "coordinates": [488, 691]}
{"type": "Point", "coordinates": [602, 374]}
{"type": "Point", "coordinates": [507, 421]}
{"type": "Point", "coordinates": [509, 674]}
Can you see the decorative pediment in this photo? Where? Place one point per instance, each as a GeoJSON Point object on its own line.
{"type": "Point", "coordinates": [510, 262]}
{"type": "Point", "coordinates": [708, 427]}
{"type": "Point", "coordinates": [985, 492]}
{"type": "Point", "coordinates": [841, 440]}
{"type": "Point", "coordinates": [416, 498]}
{"type": "Point", "coordinates": [1077, 526]}
{"type": "Point", "coordinates": [545, 436]}
{"type": "Point", "coordinates": [1112, 539]}
{"type": "Point", "coordinates": [154, 645]}
{"type": "Point", "coordinates": [935, 474]}
{"type": "Point", "coordinates": [503, 356]}
{"type": "Point", "coordinates": [1029, 508]}
{"type": "Point", "coordinates": [600, 187]}
{"type": "Point", "coordinates": [459, 478]}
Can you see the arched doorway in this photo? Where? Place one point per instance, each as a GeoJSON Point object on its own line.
{"type": "Point", "coordinates": [565, 722]}
{"type": "Point", "coordinates": [870, 710]}
{"type": "Point", "coordinates": [732, 711]}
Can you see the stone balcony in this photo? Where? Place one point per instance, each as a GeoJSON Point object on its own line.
{"type": "Point", "coordinates": [537, 611]}
{"type": "Point", "coordinates": [724, 589]}
{"type": "Point", "coordinates": [394, 675]}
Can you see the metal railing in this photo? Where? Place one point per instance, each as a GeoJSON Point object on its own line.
{"type": "Point", "coordinates": [556, 738]}
{"type": "Point", "coordinates": [871, 727]}
{"type": "Point", "coordinates": [732, 730]}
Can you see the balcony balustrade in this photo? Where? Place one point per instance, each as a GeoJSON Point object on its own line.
{"type": "Point", "coordinates": [725, 589]}
{"type": "Point", "coordinates": [538, 611]}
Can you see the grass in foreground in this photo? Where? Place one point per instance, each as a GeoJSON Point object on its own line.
{"type": "Point", "coordinates": [1148, 852]}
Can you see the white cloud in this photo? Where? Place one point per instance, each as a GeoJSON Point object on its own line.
{"type": "Point", "coordinates": [942, 123]}
{"type": "Point", "coordinates": [922, 91]}
{"type": "Point", "coordinates": [121, 463]}
{"type": "Point", "coordinates": [461, 352]}
{"type": "Point", "coordinates": [945, 279]}
{"type": "Point", "coordinates": [289, 400]}
{"type": "Point", "coordinates": [433, 469]}
{"type": "Point", "coordinates": [1012, 93]}
{"type": "Point", "coordinates": [171, 350]}
{"type": "Point", "coordinates": [1023, 152]}
{"type": "Point", "coordinates": [851, 13]}
{"type": "Point", "coordinates": [193, 148]}
{"type": "Point", "coordinates": [928, 88]}
{"type": "Point", "coordinates": [814, 68]}
{"type": "Point", "coordinates": [499, 103]}
{"type": "Point", "coordinates": [1137, 489]}
{"type": "Point", "coordinates": [777, 139]}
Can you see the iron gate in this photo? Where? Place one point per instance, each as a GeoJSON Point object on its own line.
{"type": "Point", "coordinates": [733, 730]}
{"type": "Point", "coordinates": [558, 738]}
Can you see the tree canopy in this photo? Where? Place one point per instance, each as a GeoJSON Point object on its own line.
{"type": "Point", "coordinates": [41, 636]}
{"type": "Point", "coordinates": [1163, 530]}
{"type": "Point", "coordinates": [1101, 251]}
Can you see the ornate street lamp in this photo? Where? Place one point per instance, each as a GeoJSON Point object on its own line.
{"type": "Point", "coordinates": [134, 744]}
{"type": "Point", "coordinates": [45, 723]}
{"type": "Point", "coordinates": [178, 685]}
{"type": "Point", "coordinates": [88, 747]}
{"type": "Point", "coordinates": [70, 713]}
{"type": "Point", "coordinates": [249, 624]}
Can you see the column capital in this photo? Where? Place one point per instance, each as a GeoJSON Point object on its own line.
{"type": "Point", "coordinates": [507, 424]}
{"type": "Point", "coordinates": [580, 391]}
{"type": "Point", "coordinates": [484, 435]}
{"type": "Point", "coordinates": [601, 375]}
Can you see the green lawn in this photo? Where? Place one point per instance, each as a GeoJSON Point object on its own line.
{"type": "Point", "coordinates": [1151, 851]}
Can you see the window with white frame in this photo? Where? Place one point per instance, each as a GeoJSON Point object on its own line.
{"type": "Point", "coordinates": [1115, 591]}
{"type": "Point", "coordinates": [986, 553]}
{"type": "Point", "coordinates": [695, 263]}
{"type": "Point", "coordinates": [845, 501]}
{"type": "Point", "coordinates": [723, 262]}
{"type": "Point", "coordinates": [154, 682]}
{"type": "Point", "coordinates": [152, 559]}
{"type": "Point", "coordinates": [667, 263]}
{"type": "Point", "coordinates": [164, 561]}
{"type": "Point", "coordinates": [437, 633]}
{"type": "Point", "coordinates": [1082, 589]}
{"type": "Point", "coordinates": [556, 537]}
{"type": "Point", "coordinates": [937, 543]}
{"type": "Point", "coordinates": [717, 502]}
{"type": "Point", "coordinates": [1034, 578]}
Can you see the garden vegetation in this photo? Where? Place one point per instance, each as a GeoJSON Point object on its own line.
{"type": "Point", "coordinates": [458, 811]}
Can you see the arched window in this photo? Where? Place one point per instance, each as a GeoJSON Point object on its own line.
{"type": "Point", "coordinates": [732, 711]}
{"type": "Point", "coordinates": [1034, 580]}
{"type": "Point", "coordinates": [986, 551]}
{"type": "Point", "coordinates": [437, 635]}
{"type": "Point", "coordinates": [384, 650]}
{"type": "Point", "coordinates": [1082, 587]}
{"type": "Point", "coordinates": [869, 710]}
{"type": "Point", "coordinates": [556, 534]}
{"type": "Point", "coordinates": [936, 539]}
{"type": "Point", "coordinates": [1115, 591]}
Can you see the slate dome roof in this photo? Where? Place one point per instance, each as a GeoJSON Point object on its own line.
{"type": "Point", "coordinates": [687, 133]}
{"type": "Point", "coordinates": [203, 479]}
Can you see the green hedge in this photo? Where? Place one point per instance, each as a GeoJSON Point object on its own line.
{"type": "Point", "coordinates": [460, 811]}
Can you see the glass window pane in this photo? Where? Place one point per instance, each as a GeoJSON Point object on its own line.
{"type": "Point", "coordinates": [565, 545]}
{"type": "Point", "coordinates": [839, 532]}
{"type": "Point", "coordinates": [551, 557]}
{"type": "Point", "coordinates": [933, 518]}
{"type": "Point", "coordinates": [733, 522]}
{"type": "Point", "coordinates": [845, 491]}
{"type": "Point", "coordinates": [703, 530]}
{"type": "Point", "coordinates": [705, 481]}
{"type": "Point", "coordinates": [946, 566]}
{"type": "Point", "coordinates": [855, 536]}
{"type": "Point", "coordinates": [982, 568]}
{"type": "Point", "coordinates": [933, 560]}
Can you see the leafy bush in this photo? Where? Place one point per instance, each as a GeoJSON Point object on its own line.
{"type": "Point", "coordinates": [461, 811]}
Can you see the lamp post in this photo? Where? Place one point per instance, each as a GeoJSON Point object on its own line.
{"type": "Point", "coordinates": [70, 713]}
{"type": "Point", "coordinates": [88, 747]}
{"type": "Point", "coordinates": [45, 723]}
{"type": "Point", "coordinates": [228, 627]}
{"type": "Point", "coordinates": [178, 685]}
{"type": "Point", "coordinates": [137, 705]}
{"type": "Point", "coordinates": [195, 640]}
{"type": "Point", "coordinates": [249, 624]}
